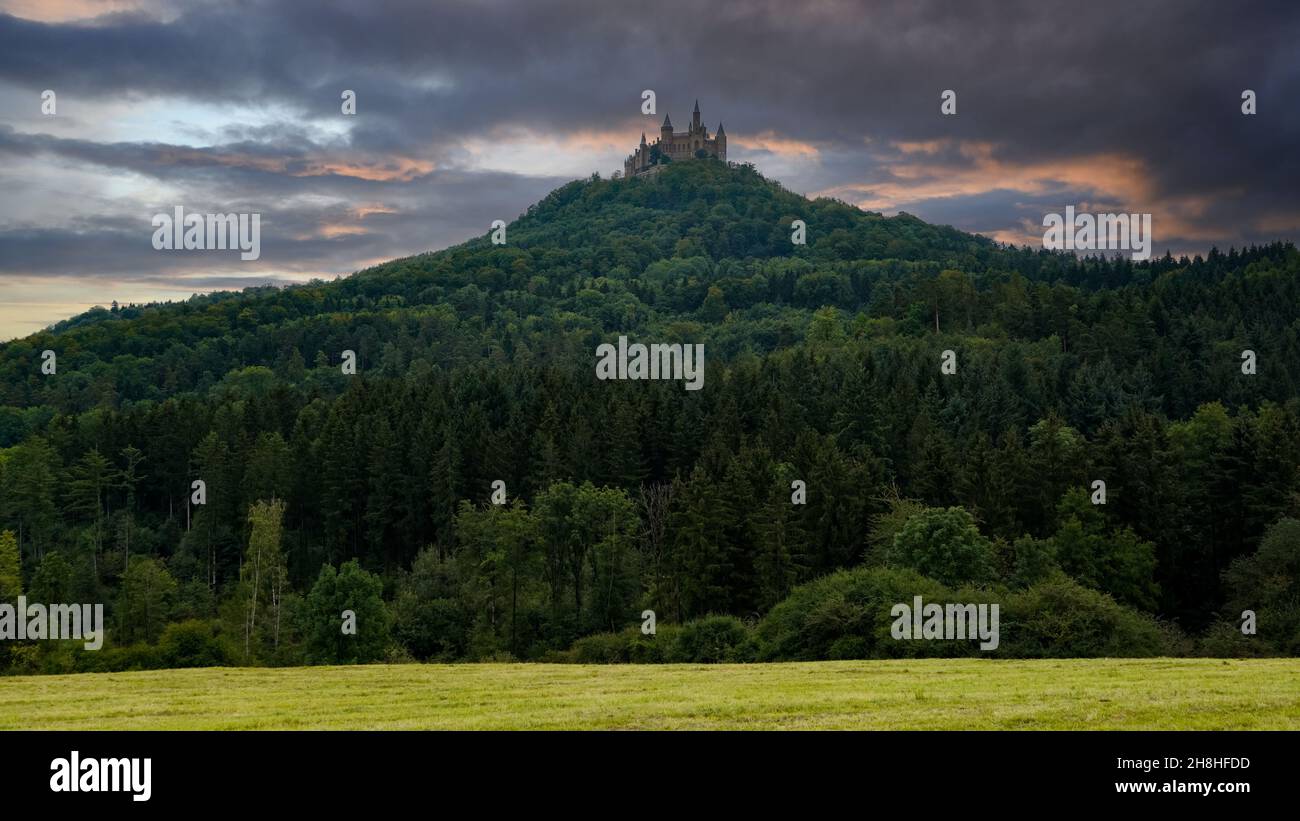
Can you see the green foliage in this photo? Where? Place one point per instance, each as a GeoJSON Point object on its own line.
{"type": "Point", "coordinates": [1031, 561]}
{"type": "Point", "coordinates": [822, 366]}
{"type": "Point", "coordinates": [348, 589]}
{"type": "Point", "coordinates": [1060, 618]}
{"type": "Point", "coordinates": [710, 640]}
{"type": "Point", "coordinates": [145, 601]}
{"type": "Point", "coordinates": [1268, 583]}
{"type": "Point", "coordinates": [264, 579]}
{"type": "Point", "coordinates": [55, 580]}
{"type": "Point", "coordinates": [845, 615]}
{"type": "Point", "coordinates": [430, 618]}
{"type": "Point", "coordinates": [11, 571]}
{"type": "Point", "coordinates": [945, 545]}
{"type": "Point", "coordinates": [194, 643]}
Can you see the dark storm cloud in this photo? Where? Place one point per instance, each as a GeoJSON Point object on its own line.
{"type": "Point", "coordinates": [1039, 77]}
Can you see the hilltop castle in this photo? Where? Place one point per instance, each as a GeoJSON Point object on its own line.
{"type": "Point", "coordinates": [673, 146]}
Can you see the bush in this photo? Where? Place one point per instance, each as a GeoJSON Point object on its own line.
{"type": "Point", "coordinates": [122, 659]}
{"type": "Point", "coordinates": [1268, 582]}
{"type": "Point", "coordinates": [1224, 639]}
{"type": "Point", "coordinates": [709, 640]}
{"type": "Point", "coordinates": [601, 648]}
{"type": "Point", "coordinates": [431, 629]}
{"type": "Point", "coordinates": [193, 643]}
{"type": "Point", "coordinates": [847, 615]}
{"type": "Point", "coordinates": [656, 649]}
{"type": "Point", "coordinates": [1061, 618]}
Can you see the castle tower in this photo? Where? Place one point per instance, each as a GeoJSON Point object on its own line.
{"type": "Point", "coordinates": [721, 140]}
{"type": "Point", "coordinates": [695, 118]}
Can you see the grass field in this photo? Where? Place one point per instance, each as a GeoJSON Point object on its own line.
{"type": "Point", "coordinates": [930, 694]}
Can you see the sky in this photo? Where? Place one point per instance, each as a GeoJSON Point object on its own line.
{"type": "Point", "coordinates": [468, 112]}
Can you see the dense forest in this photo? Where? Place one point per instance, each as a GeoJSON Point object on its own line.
{"type": "Point", "coordinates": [326, 491]}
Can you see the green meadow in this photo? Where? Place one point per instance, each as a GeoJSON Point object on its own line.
{"type": "Point", "coordinates": [932, 694]}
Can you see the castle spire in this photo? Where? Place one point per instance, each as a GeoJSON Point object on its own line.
{"type": "Point", "coordinates": [695, 117]}
{"type": "Point", "coordinates": [722, 132]}
{"type": "Point", "coordinates": [668, 123]}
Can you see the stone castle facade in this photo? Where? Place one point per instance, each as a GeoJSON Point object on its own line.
{"type": "Point", "coordinates": [675, 146]}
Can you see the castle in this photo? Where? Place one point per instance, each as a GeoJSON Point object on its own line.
{"type": "Point", "coordinates": [673, 146]}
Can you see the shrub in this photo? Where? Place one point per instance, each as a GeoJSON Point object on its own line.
{"type": "Point", "coordinates": [656, 649]}
{"type": "Point", "coordinates": [1224, 639]}
{"type": "Point", "coordinates": [192, 643]}
{"type": "Point", "coordinates": [1268, 582]}
{"type": "Point", "coordinates": [601, 648]}
{"type": "Point", "coordinates": [121, 659]}
{"type": "Point", "coordinates": [709, 640]}
{"type": "Point", "coordinates": [847, 615]}
{"type": "Point", "coordinates": [1061, 618]}
{"type": "Point", "coordinates": [430, 628]}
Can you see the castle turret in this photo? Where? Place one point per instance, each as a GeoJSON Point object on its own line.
{"type": "Point", "coordinates": [666, 130]}
{"type": "Point", "coordinates": [695, 117]}
{"type": "Point", "coordinates": [720, 139]}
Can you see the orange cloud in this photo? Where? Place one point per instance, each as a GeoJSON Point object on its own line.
{"type": "Point", "coordinates": [394, 169]}
{"type": "Point", "coordinates": [61, 11]}
{"type": "Point", "coordinates": [332, 230]}
{"type": "Point", "coordinates": [366, 209]}
{"type": "Point", "coordinates": [771, 142]}
{"type": "Point", "coordinates": [1114, 181]}
{"type": "Point", "coordinates": [1113, 174]}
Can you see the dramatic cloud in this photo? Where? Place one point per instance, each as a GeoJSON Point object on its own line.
{"type": "Point", "coordinates": [470, 111]}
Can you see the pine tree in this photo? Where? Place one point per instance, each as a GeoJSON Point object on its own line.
{"type": "Point", "coordinates": [780, 542]}
{"type": "Point", "coordinates": [91, 478]}
{"type": "Point", "coordinates": [702, 557]}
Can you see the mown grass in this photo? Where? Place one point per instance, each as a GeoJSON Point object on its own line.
{"type": "Point", "coordinates": [922, 694]}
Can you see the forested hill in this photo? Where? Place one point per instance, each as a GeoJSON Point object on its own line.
{"type": "Point", "coordinates": [476, 365]}
{"type": "Point", "coordinates": [601, 254]}
{"type": "Point", "coordinates": [703, 243]}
